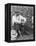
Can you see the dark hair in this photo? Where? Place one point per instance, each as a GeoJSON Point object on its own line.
{"type": "Point", "coordinates": [18, 13]}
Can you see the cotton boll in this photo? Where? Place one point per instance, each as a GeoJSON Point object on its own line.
{"type": "Point", "coordinates": [13, 34]}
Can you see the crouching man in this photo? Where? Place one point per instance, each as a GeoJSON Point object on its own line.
{"type": "Point", "coordinates": [18, 24]}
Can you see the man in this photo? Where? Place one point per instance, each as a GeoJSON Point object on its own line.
{"type": "Point", "coordinates": [17, 20]}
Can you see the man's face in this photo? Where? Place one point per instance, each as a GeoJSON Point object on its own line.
{"type": "Point", "coordinates": [17, 15]}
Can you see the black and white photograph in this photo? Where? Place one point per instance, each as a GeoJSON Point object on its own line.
{"type": "Point", "coordinates": [21, 20]}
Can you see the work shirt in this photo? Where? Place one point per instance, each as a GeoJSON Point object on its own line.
{"type": "Point", "coordinates": [19, 19]}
